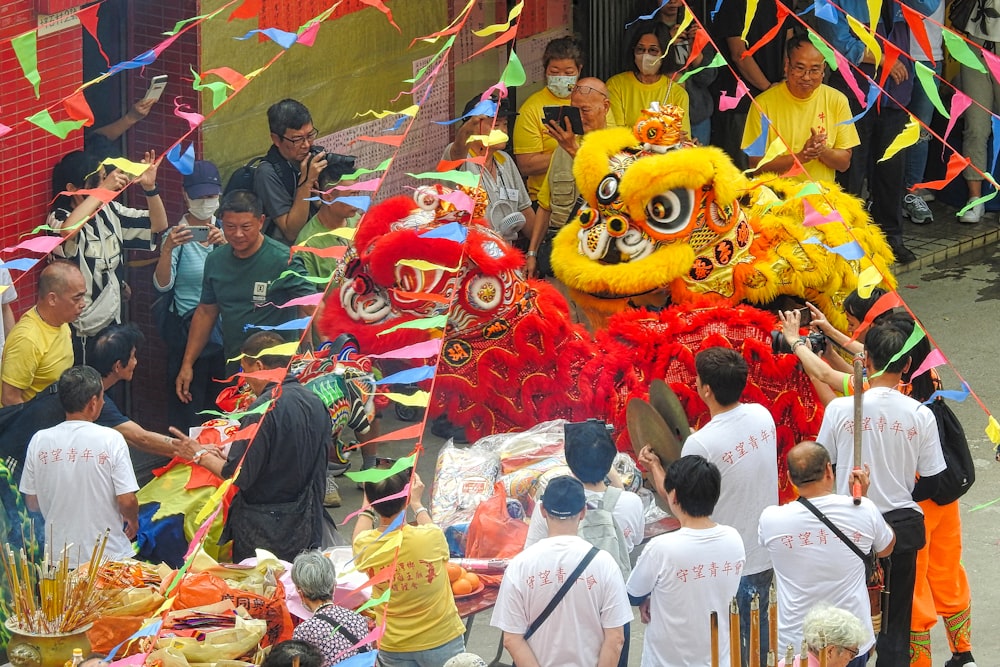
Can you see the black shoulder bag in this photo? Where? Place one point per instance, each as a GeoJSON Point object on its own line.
{"type": "Point", "coordinates": [874, 575]}
{"type": "Point", "coordinates": [561, 593]}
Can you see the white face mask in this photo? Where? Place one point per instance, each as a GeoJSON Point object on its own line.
{"type": "Point", "coordinates": [203, 209]}
{"type": "Point", "coordinates": [561, 86]}
{"type": "Point", "coordinates": [648, 64]}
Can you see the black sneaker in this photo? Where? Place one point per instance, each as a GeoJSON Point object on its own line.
{"type": "Point", "coordinates": [961, 660]}
{"type": "Point", "coordinates": [903, 254]}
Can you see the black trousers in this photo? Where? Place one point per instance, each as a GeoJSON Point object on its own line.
{"type": "Point", "coordinates": [893, 642]}
{"type": "Point", "coordinates": [886, 182]}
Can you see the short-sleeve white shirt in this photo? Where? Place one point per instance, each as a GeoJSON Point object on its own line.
{"type": "Point", "coordinates": [77, 470]}
{"type": "Point", "coordinates": [573, 633]}
{"type": "Point", "coordinates": [742, 442]}
{"type": "Point", "coordinates": [688, 575]}
{"type": "Point", "coordinates": [899, 440]}
{"type": "Point", "coordinates": [812, 564]}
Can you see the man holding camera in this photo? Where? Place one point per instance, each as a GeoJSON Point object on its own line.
{"type": "Point", "coordinates": [285, 177]}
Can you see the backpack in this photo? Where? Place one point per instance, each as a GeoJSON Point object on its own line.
{"type": "Point", "coordinates": [962, 13]}
{"type": "Point", "coordinates": [960, 473]}
{"type": "Point", "coordinates": [243, 179]}
{"type": "Point", "coordinates": [600, 528]}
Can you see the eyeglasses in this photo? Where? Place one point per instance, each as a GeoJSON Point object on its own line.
{"type": "Point", "coordinates": [801, 70]}
{"type": "Point", "coordinates": [852, 651]}
{"type": "Point", "coordinates": [587, 90]}
{"type": "Point", "coordinates": [298, 141]}
{"type": "Point", "coordinates": [652, 50]}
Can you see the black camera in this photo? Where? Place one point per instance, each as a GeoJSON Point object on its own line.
{"type": "Point", "coordinates": [816, 342]}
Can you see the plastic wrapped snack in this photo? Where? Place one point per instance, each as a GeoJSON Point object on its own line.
{"type": "Point", "coordinates": [464, 477]}
{"type": "Point", "coordinates": [519, 450]}
{"type": "Point", "coordinates": [522, 484]}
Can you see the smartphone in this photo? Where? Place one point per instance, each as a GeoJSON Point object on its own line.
{"type": "Point", "coordinates": [199, 234]}
{"type": "Point", "coordinates": [556, 114]}
{"type": "Point", "coordinates": [156, 87]}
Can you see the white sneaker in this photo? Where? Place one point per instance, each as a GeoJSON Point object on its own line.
{"type": "Point", "coordinates": [973, 215]}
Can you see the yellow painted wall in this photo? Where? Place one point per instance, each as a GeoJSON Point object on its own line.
{"type": "Point", "coordinates": [358, 63]}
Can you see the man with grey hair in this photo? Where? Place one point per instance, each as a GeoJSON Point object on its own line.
{"type": "Point", "coordinates": [334, 630]}
{"type": "Point", "coordinates": [91, 460]}
{"type": "Point", "coordinates": [835, 632]}
{"type": "Point", "coordinates": [811, 562]}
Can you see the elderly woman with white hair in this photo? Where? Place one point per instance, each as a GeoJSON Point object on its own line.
{"type": "Point", "coordinates": [835, 632]}
{"type": "Point", "coordinates": [334, 630]}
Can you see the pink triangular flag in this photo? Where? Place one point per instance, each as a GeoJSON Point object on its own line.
{"type": "Point", "coordinates": [40, 244]}
{"type": "Point", "coordinates": [993, 62]}
{"type": "Point", "coordinates": [308, 36]}
{"type": "Point", "coordinates": [852, 83]}
{"type": "Point", "coordinates": [814, 217]}
{"type": "Point", "coordinates": [4, 129]}
{"type": "Point", "coordinates": [933, 360]}
{"type": "Point", "coordinates": [727, 102]}
{"type": "Point", "coordinates": [959, 103]}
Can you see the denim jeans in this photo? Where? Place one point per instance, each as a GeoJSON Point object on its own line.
{"type": "Point", "coordinates": [432, 657]}
{"type": "Point", "coordinates": [759, 583]}
{"type": "Point", "coordinates": [923, 110]}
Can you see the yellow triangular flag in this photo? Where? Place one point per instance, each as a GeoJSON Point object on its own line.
{"type": "Point", "coordinates": [909, 136]}
{"type": "Point", "coordinates": [867, 281]}
{"type": "Point", "coordinates": [865, 36]}
{"type": "Point", "coordinates": [685, 22]}
{"type": "Point", "coordinates": [495, 138]}
{"type": "Point", "coordinates": [213, 501]}
{"type": "Point", "coordinates": [424, 265]}
{"type": "Point", "coordinates": [776, 149]}
{"type": "Point", "coordinates": [129, 167]}
{"type": "Point", "coordinates": [874, 13]}
{"type": "Point", "coordinates": [748, 19]}
{"type": "Point", "coordinates": [515, 11]}
{"type": "Point", "coordinates": [418, 399]}
{"type": "Point", "coordinates": [993, 430]}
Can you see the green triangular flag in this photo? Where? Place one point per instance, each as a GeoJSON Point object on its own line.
{"type": "Point", "coordinates": [961, 52]}
{"type": "Point", "coordinates": [26, 50]}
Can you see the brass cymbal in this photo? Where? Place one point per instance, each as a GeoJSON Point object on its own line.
{"type": "Point", "coordinates": [647, 427]}
{"type": "Point", "coordinates": [665, 401]}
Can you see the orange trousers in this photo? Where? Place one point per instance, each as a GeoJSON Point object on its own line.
{"type": "Point", "coordinates": [942, 587]}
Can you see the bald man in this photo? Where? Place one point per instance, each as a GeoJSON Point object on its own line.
{"type": "Point", "coordinates": [558, 196]}
{"type": "Point", "coordinates": [39, 347]}
{"type": "Point", "coordinates": [811, 564]}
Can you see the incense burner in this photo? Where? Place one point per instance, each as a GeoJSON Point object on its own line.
{"type": "Point", "coordinates": [27, 649]}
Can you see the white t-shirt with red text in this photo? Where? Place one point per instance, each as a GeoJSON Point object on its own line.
{"type": "Point", "coordinates": [688, 574]}
{"type": "Point", "coordinates": [813, 565]}
{"type": "Point", "coordinates": [742, 442]}
{"type": "Point", "coordinates": [573, 633]}
{"type": "Point", "coordinates": [77, 470]}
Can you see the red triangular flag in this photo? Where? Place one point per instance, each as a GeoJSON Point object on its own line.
{"type": "Point", "coordinates": [916, 22]}
{"type": "Point", "coordinates": [248, 10]}
{"type": "Point", "coordinates": [886, 302]}
{"type": "Point", "coordinates": [78, 109]}
{"type": "Point", "coordinates": [88, 19]}
{"type": "Point", "coordinates": [770, 34]}
{"type": "Point", "coordinates": [956, 163]}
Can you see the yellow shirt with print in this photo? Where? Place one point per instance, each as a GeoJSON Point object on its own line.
{"type": "Point", "coordinates": [36, 354]}
{"type": "Point", "coordinates": [629, 97]}
{"type": "Point", "coordinates": [530, 135]}
{"type": "Point", "coordinates": [793, 118]}
{"type": "Point", "coordinates": [421, 609]}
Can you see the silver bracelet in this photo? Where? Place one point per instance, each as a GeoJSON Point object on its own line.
{"type": "Point", "coordinates": [417, 512]}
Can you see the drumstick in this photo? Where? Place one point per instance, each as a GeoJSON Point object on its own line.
{"type": "Point", "coordinates": [858, 425]}
{"type": "Point", "coordinates": [755, 631]}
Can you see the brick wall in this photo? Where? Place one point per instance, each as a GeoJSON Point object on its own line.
{"type": "Point", "coordinates": [148, 19]}
{"type": "Point", "coordinates": [29, 152]}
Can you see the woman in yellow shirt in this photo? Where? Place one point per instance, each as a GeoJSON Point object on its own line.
{"type": "Point", "coordinates": [645, 82]}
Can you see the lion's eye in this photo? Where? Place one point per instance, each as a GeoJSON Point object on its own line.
{"type": "Point", "coordinates": [669, 212]}
{"type": "Point", "coordinates": [608, 189]}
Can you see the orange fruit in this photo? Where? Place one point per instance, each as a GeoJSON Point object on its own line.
{"type": "Point", "coordinates": [472, 578]}
{"type": "Point", "coordinates": [455, 572]}
{"type": "Point", "coordinates": [462, 586]}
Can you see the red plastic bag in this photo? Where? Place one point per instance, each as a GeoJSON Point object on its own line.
{"type": "Point", "coordinates": [493, 533]}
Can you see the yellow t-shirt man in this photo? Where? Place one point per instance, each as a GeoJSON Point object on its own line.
{"type": "Point", "coordinates": [422, 613]}
{"type": "Point", "coordinates": [35, 354]}
{"type": "Point", "coordinates": [629, 97]}
{"type": "Point", "coordinates": [793, 117]}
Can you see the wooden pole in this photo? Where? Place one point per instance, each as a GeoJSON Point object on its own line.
{"type": "Point", "coordinates": [772, 619]}
{"type": "Point", "coordinates": [859, 402]}
{"type": "Point", "coordinates": [755, 631]}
